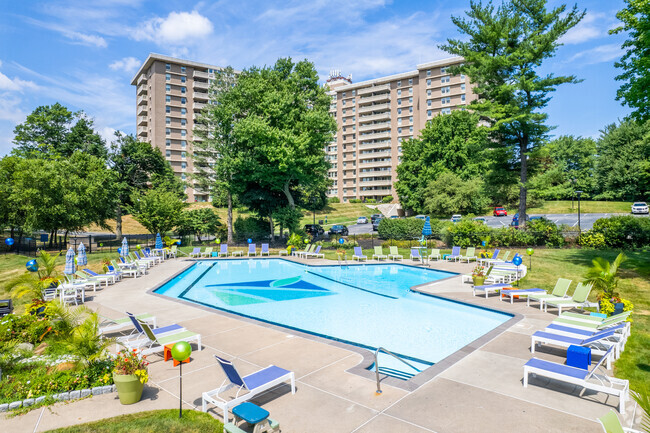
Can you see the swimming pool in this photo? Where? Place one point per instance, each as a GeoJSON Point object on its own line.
{"type": "Point", "coordinates": [367, 305]}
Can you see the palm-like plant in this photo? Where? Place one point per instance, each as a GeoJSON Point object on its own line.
{"type": "Point", "coordinates": [32, 284]}
{"type": "Point", "coordinates": [603, 275]}
{"type": "Point", "coordinates": [642, 397]}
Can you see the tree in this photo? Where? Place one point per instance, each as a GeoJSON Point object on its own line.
{"type": "Point", "coordinates": [452, 143]}
{"type": "Point", "coordinates": [449, 194]}
{"type": "Point", "coordinates": [635, 63]}
{"type": "Point", "coordinates": [202, 221]}
{"type": "Point", "coordinates": [48, 132]}
{"type": "Point", "coordinates": [503, 51]}
{"type": "Point", "coordinates": [158, 210]}
{"type": "Point", "coordinates": [137, 166]}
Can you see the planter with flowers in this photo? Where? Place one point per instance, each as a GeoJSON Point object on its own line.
{"type": "Point", "coordinates": [130, 374]}
{"type": "Point", "coordinates": [603, 276]}
{"type": "Point", "coordinates": [478, 275]}
{"type": "Point", "coordinates": [341, 253]}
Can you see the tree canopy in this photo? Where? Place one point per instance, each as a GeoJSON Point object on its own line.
{"type": "Point", "coordinates": [158, 210]}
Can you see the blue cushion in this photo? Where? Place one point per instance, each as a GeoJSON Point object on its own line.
{"type": "Point", "coordinates": [265, 376]}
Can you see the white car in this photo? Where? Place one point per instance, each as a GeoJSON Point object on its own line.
{"type": "Point", "coordinates": [362, 220]}
{"type": "Point", "coordinates": [455, 218]}
{"type": "Point", "coordinates": [640, 207]}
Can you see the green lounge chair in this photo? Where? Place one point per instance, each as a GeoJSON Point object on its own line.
{"type": "Point", "coordinates": [435, 254]}
{"type": "Point", "coordinates": [564, 319]}
{"type": "Point", "coordinates": [470, 254]}
{"type": "Point", "coordinates": [579, 299]}
{"type": "Point", "coordinates": [112, 325]}
{"type": "Point", "coordinates": [310, 249]}
{"type": "Point", "coordinates": [595, 319]}
{"type": "Point", "coordinates": [559, 292]}
{"type": "Point", "coordinates": [611, 424]}
{"type": "Point", "coordinates": [379, 253]}
{"type": "Point", "coordinates": [394, 253]}
{"type": "Point", "coordinates": [207, 252]}
{"type": "Point", "coordinates": [151, 343]}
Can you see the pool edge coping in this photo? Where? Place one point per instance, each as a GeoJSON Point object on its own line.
{"type": "Point", "coordinates": [361, 369]}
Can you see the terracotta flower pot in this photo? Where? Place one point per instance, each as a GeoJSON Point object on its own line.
{"type": "Point", "coordinates": [129, 388]}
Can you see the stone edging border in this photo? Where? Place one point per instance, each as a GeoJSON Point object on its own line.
{"type": "Point", "coordinates": [63, 396]}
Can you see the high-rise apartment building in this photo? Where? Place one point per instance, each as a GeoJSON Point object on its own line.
{"type": "Point", "coordinates": [376, 116]}
{"type": "Point", "coordinates": [170, 93]}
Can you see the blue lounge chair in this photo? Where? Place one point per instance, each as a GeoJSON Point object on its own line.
{"type": "Point", "coordinates": [490, 288]}
{"type": "Point", "coordinates": [196, 252]}
{"type": "Point", "coordinates": [622, 331]}
{"type": "Point", "coordinates": [316, 253]}
{"type": "Point", "coordinates": [252, 250]}
{"type": "Point", "coordinates": [265, 250]}
{"type": "Point", "coordinates": [108, 276]}
{"type": "Point", "coordinates": [223, 250]}
{"type": "Point", "coordinates": [415, 254]}
{"type": "Point", "coordinates": [587, 379]}
{"type": "Point", "coordinates": [255, 383]}
{"type": "Point", "coordinates": [599, 343]}
{"type": "Point", "coordinates": [455, 254]}
{"type": "Point", "coordinates": [358, 254]}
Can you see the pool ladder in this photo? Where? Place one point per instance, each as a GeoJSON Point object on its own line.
{"type": "Point", "coordinates": [389, 371]}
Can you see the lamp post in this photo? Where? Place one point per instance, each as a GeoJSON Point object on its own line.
{"type": "Point", "coordinates": [579, 192]}
{"type": "Point", "coordinates": [573, 184]}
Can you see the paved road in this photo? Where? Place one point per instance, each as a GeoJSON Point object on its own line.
{"type": "Point", "coordinates": [586, 221]}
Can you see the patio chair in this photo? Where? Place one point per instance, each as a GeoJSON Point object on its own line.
{"type": "Point", "coordinates": [415, 254]}
{"type": "Point", "coordinates": [255, 383]}
{"type": "Point", "coordinates": [455, 254]}
{"type": "Point", "coordinates": [102, 278]}
{"type": "Point", "coordinates": [252, 249]}
{"type": "Point", "coordinates": [379, 253]}
{"type": "Point", "coordinates": [6, 307]}
{"type": "Point", "coordinates": [563, 319]}
{"type": "Point", "coordinates": [237, 253]}
{"type": "Point", "coordinates": [112, 275]}
{"type": "Point", "coordinates": [599, 343]}
{"type": "Point", "coordinates": [578, 300]}
{"type": "Point", "coordinates": [394, 253]}
{"type": "Point", "coordinates": [435, 254]}
{"type": "Point", "coordinates": [589, 318]}
{"type": "Point", "coordinates": [153, 343]}
{"type": "Point", "coordinates": [207, 252]}
{"type": "Point", "coordinates": [150, 261]}
{"type": "Point", "coordinates": [70, 294]}
{"type": "Point", "coordinates": [470, 254]}
{"type": "Point", "coordinates": [149, 255]}
{"type": "Point", "coordinates": [358, 254]}
{"type": "Point", "coordinates": [114, 325]}
{"type": "Point", "coordinates": [138, 331]}
{"type": "Point", "coordinates": [196, 252]}
{"type": "Point", "coordinates": [588, 379]}
{"type": "Point", "coordinates": [559, 292]}
{"type": "Point", "coordinates": [265, 250]}
{"type": "Point", "coordinates": [111, 270]}
{"type": "Point", "coordinates": [125, 270]}
{"type": "Point", "coordinates": [621, 332]}
{"type": "Point", "coordinates": [223, 250]}
{"type": "Point", "coordinates": [612, 424]}
{"type": "Point", "coordinates": [309, 249]}
{"type": "Point", "coordinates": [70, 279]}
{"type": "Point", "coordinates": [90, 280]}
{"type": "Point", "coordinates": [316, 253]}
{"type": "Point", "coordinates": [132, 258]}
{"type": "Point", "coordinates": [173, 251]}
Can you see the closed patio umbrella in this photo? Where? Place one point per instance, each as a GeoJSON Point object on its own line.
{"type": "Point", "coordinates": [426, 230]}
{"type": "Point", "coordinates": [159, 243]}
{"type": "Point", "coordinates": [125, 247]}
{"type": "Point", "coordinates": [82, 260]}
{"type": "Point", "coordinates": [70, 268]}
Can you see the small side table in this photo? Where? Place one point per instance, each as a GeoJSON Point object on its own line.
{"type": "Point", "coordinates": [578, 356]}
{"type": "Point", "coordinates": [253, 415]}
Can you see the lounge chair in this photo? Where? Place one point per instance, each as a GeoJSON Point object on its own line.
{"type": "Point", "coordinates": [173, 251]}
{"type": "Point", "coordinates": [415, 254]}
{"type": "Point", "coordinates": [81, 280]}
{"type": "Point", "coordinates": [255, 383]}
{"type": "Point", "coordinates": [494, 258]}
{"type": "Point", "coordinates": [435, 254]}
{"type": "Point", "coordinates": [132, 258]}
{"type": "Point", "coordinates": [455, 254]}
{"type": "Point", "coordinates": [207, 252]}
{"type": "Point", "coordinates": [113, 325]}
{"type": "Point", "coordinates": [151, 261]}
{"type": "Point", "coordinates": [300, 253]}
{"type": "Point", "coordinates": [237, 253]}
{"type": "Point", "coordinates": [490, 288]}
{"type": "Point", "coordinates": [394, 253]}
{"type": "Point", "coordinates": [578, 300]}
{"type": "Point", "coordinates": [595, 319]}
{"type": "Point", "coordinates": [6, 307]}
{"type": "Point", "coordinates": [559, 292]}
{"type": "Point", "coordinates": [125, 270]}
{"type": "Point", "coordinates": [358, 254]}
{"type": "Point", "coordinates": [612, 424]}
{"type": "Point", "coordinates": [316, 253]}
{"type": "Point", "coordinates": [113, 275]}
{"type": "Point", "coordinates": [310, 249]}
{"type": "Point", "coordinates": [379, 253]}
{"type": "Point", "coordinates": [153, 343]}
{"type": "Point", "coordinates": [265, 250]}
{"type": "Point", "coordinates": [621, 332]}
{"type": "Point", "coordinates": [196, 252]}
{"type": "Point", "coordinates": [84, 277]}
{"type": "Point", "coordinates": [511, 293]}
{"type": "Point", "coordinates": [149, 255]}
{"type": "Point", "coordinates": [470, 254]}
{"type": "Point", "coordinates": [104, 278]}
{"type": "Point", "coordinates": [587, 379]}
{"type": "Point", "coordinates": [592, 325]}
{"type": "Point", "coordinates": [223, 250]}
{"type": "Point", "coordinates": [139, 331]}
{"type": "Point", "coordinates": [70, 294]}
{"type": "Point", "coordinates": [599, 343]}
{"type": "Point", "coordinates": [252, 249]}
{"type": "Point", "coordinates": [111, 270]}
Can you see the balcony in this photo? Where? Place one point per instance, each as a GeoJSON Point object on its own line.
{"type": "Point", "coordinates": [374, 89]}
{"type": "Point", "coordinates": [199, 106]}
{"type": "Point", "coordinates": [376, 183]}
{"type": "Point", "coordinates": [141, 79]}
{"type": "Point", "coordinates": [142, 90]}
{"type": "Point", "coordinates": [142, 110]}
{"type": "Point", "coordinates": [142, 100]}
{"type": "Point", "coordinates": [374, 117]}
{"type": "Point", "coordinates": [142, 131]}
{"type": "Point", "coordinates": [201, 85]}
{"type": "Point", "coordinates": [374, 126]}
{"type": "Point", "coordinates": [142, 120]}
{"type": "Point", "coordinates": [374, 136]}
{"type": "Point", "coordinates": [377, 145]}
{"type": "Point", "coordinates": [384, 97]}
{"type": "Point", "coordinates": [380, 154]}
{"type": "Point", "coordinates": [379, 192]}
{"type": "Point", "coordinates": [371, 108]}
{"type": "Point", "coordinates": [371, 164]}
{"type": "Point", "coordinates": [200, 74]}
{"type": "Point", "coordinates": [201, 95]}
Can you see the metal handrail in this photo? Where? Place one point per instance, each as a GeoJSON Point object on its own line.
{"type": "Point", "coordinates": [388, 352]}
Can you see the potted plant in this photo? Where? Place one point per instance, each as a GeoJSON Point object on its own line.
{"type": "Point", "coordinates": [342, 253]}
{"type": "Point", "coordinates": [130, 374]}
{"type": "Point", "coordinates": [295, 242]}
{"type": "Point", "coordinates": [603, 276]}
{"type": "Point", "coordinates": [478, 275]}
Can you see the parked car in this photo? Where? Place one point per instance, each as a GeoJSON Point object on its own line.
{"type": "Point", "coordinates": [455, 218]}
{"type": "Point", "coordinates": [394, 217]}
{"type": "Point", "coordinates": [314, 229]}
{"type": "Point", "coordinates": [421, 217]}
{"type": "Point", "coordinates": [515, 219]}
{"type": "Point", "coordinates": [480, 219]}
{"type": "Point", "coordinates": [362, 220]}
{"type": "Point", "coordinates": [338, 229]}
{"type": "Point", "coordinates": [499, 211]}
{"type": "Point", "coordinates": [375, 216]}
{"type": "Point", "coordinates": [640, 207]}
{"type": "Point", "coordinates": [375, 224]}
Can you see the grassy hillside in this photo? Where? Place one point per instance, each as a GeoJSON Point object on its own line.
{"type": "Point", "coordinates": [564, 207]}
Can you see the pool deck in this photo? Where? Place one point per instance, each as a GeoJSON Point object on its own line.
{"type": "Point", "coordinates": [480, 392]}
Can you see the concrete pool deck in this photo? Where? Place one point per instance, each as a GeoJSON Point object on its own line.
{"type": "Point", "coordinates": [481, 392]}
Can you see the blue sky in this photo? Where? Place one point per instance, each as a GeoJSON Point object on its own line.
{"type": "Point", "coordinates": [83, 54]}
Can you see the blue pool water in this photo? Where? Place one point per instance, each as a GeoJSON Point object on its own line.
{"type": "Point", "coordinates": [366, 305]}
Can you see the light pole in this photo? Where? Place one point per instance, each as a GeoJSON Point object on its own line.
{"type": "Point", "coordinates": [579, 192]}
{"type": "Point", "coordinates": [573, 184]}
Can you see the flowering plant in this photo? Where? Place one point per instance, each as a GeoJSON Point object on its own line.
{"type": "Point", "coordinates": [479, 271]}
{"type": "Point", "coordinates": [131, 363]}
{"type": "Point", "coordinates": [341, 252]}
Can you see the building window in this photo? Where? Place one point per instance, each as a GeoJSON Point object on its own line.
{"type": "Point", "coordinates": [168, 66]}
{"type": "Point", "coordinates": [462, 76]}
{"type": "Point", "coordinates": [411, 119]}
{"type": "Point", "coordinates": [168, 77]}
{"type": "Point", "coordinates": [399, 130]}
{"type": "Point", "coordinates": [399, 83]}
{"type": "Point", "coordinates": [183, 69]}
{"type": "Point", "coordinates": [410, 81]}
{"type": "Point", "coordinates": [429, 82]}
{"type": "Point", "coordinates": [183, 165]}
{"type": "Point", "coordinates": [429, 92]}
{"type": "Point", "coordinates": [445, 79]}
{"type": "Point", "coordinates": [183, 155]}
{"type": "Point", "coordinates": [445, 101]}
{"type": "Point", "coordinates": [183, 133]}
{"type": "Point", "coordinates": [168, 142]}
{"type": "Point", "coordinates": [445, 111]}
{"type": "Point", "coordinates": [462, 87]}
{"type": "Point", "coordinates": [410, 129]}
{"type": "Point", "coordinates": [343, 95]}
{"type": "Point", "coordinates": [183, 89]}
{"type": "Point", "coordinates": [183, 111]}
{"type": "Point", "coordinates": [399, 111]}
{"type": "Point", "coordinates": [168, 131]}
{"type": "Point", "coordinates": [183, 122]}
{"type": "Point", "coordinates": [410, 90]}
{"type": "Point", "coordinates": [168, 88]}
{"type": "Point", "coordinates": [168, 121]}
{"type": "Point", "coordinates": [168, 109]}
{"type": "Point", "coordinates": [354, 92]}
{"type": "Point", "coordinates": [410, 109]}
{"type": "Point", "coordinates": [429, 103]}
{"type": "Point", "coordinates": [399, 92]}
{"type": "Point", "coordinates": [462, 98]}
{"type": "Point", "coordinates": [183, 176]}
{"type": "Point", "coordinates": [429, 113]}
{"type": "Point", "coordinates": [443, 70]}
{"type": "Point", "coordinates": [445, 90]}
{"type": "Point", "coordinates": [168, 98]}
{"type": "Point", "coordinates": [183, 79]}
{"type": "Point", "coordinates": [399, 121]}
{"type": "Point", "coordinates": [399, 102]}
{"type": "Point", "coordinates": [343, 102]}
{"type": "Point", "coordinates": [428, 72]}
{"type": "Point", "coordinates": [168, 153]}
{"type": "Point", "coordinates": [183, 144]}
{"type": "Point", "coordinates": [183, 101]}
{"type": "Point", "coordinates": [411, 100]}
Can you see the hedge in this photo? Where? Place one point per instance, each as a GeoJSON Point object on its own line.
{"type": "Point", "coordinates": [400, 229]}
{"type": "Point", "coordinates": [617, 232]}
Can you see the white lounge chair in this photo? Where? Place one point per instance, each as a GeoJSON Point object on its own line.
{"type": "Point", "coordinates": [394, 253]}
{"type": "Point", "coordinates": [316, 253]}
{"type": "Point", "coordinates": [152, 343]}
{"type": "Point", "coordinates": [578, 300]}
{"type": "Point", "coordinates": [470, 254]}
{"type": "Point", "coordinates": [435, 254]}
{"type": "Point", "coordinates": [599, 343]}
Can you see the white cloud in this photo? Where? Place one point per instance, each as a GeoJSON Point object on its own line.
{"type": "Point", "coordinates": [179, 28]}
{"type": "Point", "coordinates": [600, 54]}
{"type": "Point", "coordinates": [592, 26]}
{"type": "Point", "coordinates": [84, 39]}
{"type": "Point", "coordinates": [15, 85]}
{"type": "Point", "coordinates": [127, 64]}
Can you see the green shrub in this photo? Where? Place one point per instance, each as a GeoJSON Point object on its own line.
{"type": "Point", "coordinates": [400, 229]}
{"type": "Point", "coordinates": [465, 233]}
{"type": "Point", "coordinates": [545, 232]}
{"type": "Point", "coordinates": [387, 199]}
{"type": "Point", "coordinates": [333, 200]}
{"type": "Point", "coordinates": [591, 240]}
{"type": "Point", "coordinates": [623, 231]}
{"type": "Point", "coordinates": [355, 200]}
{"type": "Point", "coordinates": [511, 237]}
{"type": "Point", "coordinates": [251, 227]}
{"type": "Point", "coordinates": [371, 200]}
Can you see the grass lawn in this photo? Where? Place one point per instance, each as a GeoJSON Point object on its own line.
{"type": "Point", "coordinates": [564, 206]}
{"type": "Point", "coordinates": [154, 421]}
